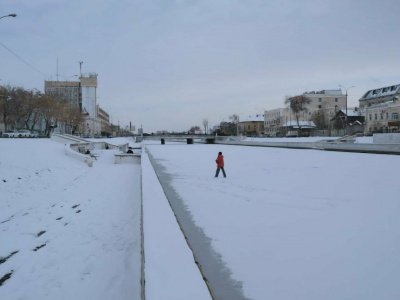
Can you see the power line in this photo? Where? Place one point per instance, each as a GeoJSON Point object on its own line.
{"type": "Point", "coordinates": [44, 75]}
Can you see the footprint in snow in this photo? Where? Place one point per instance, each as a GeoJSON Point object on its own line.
{"type": "Point", "coordinates": [40, 233]}
{"type": "Point", "coordinates": [5, 277]}
{"type": "Point", "coordinates": [4, 259]}
{"type": "Point", "coordinates": [38, 247]}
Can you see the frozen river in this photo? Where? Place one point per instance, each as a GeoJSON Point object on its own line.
{"type": "Point", "coordinates": [287, 224]}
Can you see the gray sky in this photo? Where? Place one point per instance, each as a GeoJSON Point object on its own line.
{"type": "Point", "coordinates": [169, 64]}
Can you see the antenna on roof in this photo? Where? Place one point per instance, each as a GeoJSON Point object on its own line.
{"type": "Point", "coordinates": [80, 67]}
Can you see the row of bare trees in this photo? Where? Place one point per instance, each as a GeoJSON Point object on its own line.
{"type": "Point", "coordinates": [21, 108]}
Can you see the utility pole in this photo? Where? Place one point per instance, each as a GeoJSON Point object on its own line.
{"type": "Point", "coordinates": [346, 102]}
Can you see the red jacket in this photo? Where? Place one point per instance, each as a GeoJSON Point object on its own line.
{"type": "Point", "coordinates": [220, 161]}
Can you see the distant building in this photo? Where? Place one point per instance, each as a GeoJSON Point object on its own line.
{"type": "Point", "coordinates": [379, 95]}
{"type": "Point", "coordinates": [274, 119]}
{"type": "Point", "coordinates": [104, 118]}
{"type": "Point", "coordinates": [80, 95]}
{"type": "Point", "coordinates": [355, 122]}
{"type": "Point", "coordinates": [329, 100]}
{"type": "Point", "coordinates": [383, 117]}
{"type": "Point", "coordinates": [326, 101]}
{"type": "Point", "coordinates": [252, 125]}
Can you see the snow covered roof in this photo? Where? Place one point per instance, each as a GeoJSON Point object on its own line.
{"type": "Point", "coordinates": [381, 92]}
{"type": "Point", "coordinates": [352, 112]}
{"type": "Point", "coordinates": [303, 124]}
{"type": "Point", "coordinates": [256, 118]}
{"type": "Point", "coordinates": [325, 92]}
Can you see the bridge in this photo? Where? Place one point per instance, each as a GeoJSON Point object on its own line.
{"type": "Point", "coordinates": [207, 139]}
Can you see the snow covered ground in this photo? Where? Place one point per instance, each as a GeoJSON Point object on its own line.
{"type": "Point", "coordinates": [363, 139]}
{"type": "Point", "coordinates": [76, 229]}
{"type": "Point", "coordinates": [295, 224]}
{"type": "Point", "coordinates": [289, 224]}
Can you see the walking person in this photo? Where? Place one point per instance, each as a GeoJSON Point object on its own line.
{"type": "Point", "coordinates": [220, 164]}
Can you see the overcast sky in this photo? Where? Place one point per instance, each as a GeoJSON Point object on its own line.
{"type": "Point", "coordinates": [168, 64]}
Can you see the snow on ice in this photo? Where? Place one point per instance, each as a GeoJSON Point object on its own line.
{"type": "Point", "coordinates": [289, 224]}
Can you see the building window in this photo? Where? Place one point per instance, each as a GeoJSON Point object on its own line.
{"type": "Point", "coordinates": [376, 116]}
{"type": "Point", "coordinates": [336, 100]}
{"type": "Point", "coordinates": [381, 116]}
{"type": "Point", "coordinates": [370, 117]}
{"type": "Point", "coordinates": [387, 116]}
{"type": "Point", "coordinates": [320, 99]}
{"type": "Point", "coordinates": [395, 116]}
{"type": "Point", "coordinates": [319, 106]}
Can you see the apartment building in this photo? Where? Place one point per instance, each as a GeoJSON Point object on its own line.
{"type": "Point", "coordinates": [330, 101]}
{"type": "Point", "coordinates": [383, 117]}
{"type": "Point", "coordinates": [252, 125]}
{"type": "Point", "coordinates": [80, 95]}
{"type": "Point", "coordinates": [104, 118]}
{"type": "Point", "coordinates": [274, 119]}
{"type": "Point", "coordinates": [379, 95]}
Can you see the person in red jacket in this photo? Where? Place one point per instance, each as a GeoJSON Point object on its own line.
{"type": "Point", "coordinates": [220, 164]}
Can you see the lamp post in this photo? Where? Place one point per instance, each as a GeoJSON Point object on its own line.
{"type": "Point", "coordinates": [346, 100]}
{"type": "Point", "coordinates": [10, 15]}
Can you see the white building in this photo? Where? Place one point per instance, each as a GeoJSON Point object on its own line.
{"type": "Point", "coordinates": [379, 95]}
{"type": "Point", "coordinates": [383, 117]}
{"type": "Point", "coordinates": [329, 101]}
{"type": "Point", "coordinates": [81, 95]}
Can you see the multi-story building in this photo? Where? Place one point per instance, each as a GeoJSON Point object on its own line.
{"type": "Point", "coordinates": [380, 95]}
{"type": "Point", "coordinates": [274, 119]}
{"type": "Point", "coordinates": [104, 118]}
{"type": "Point", "coordinates": [80, 95]}
{"type": "Point", "coordinates": [252, 125]}
{"type": "Point", "coordinates": [383, 117]}
{"type": "Point", "coordinates": [328, 101]}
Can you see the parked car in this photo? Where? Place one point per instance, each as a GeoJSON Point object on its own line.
{"type": "Point", "coordinates": [24, 133]}
{"type": "Point", "coordinates": [367, 133]}
{"type": "Point", "coordinates": [10, 134]}
{"type": "Point", "coordinates": [34, 134]}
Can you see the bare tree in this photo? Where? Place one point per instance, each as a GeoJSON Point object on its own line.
{"type": "Point", "coordinates": [193, 129]}
{"type": "Point", "coordinates": [320, 119]}
{"type": "Point", "coordinates": [32, 110]}
{"type": "Point", "coordinates": [235, 120]}
{"type": "Point", "coordinates": [5, 101]}
{"type": "Point", "coordinates": [51, 110]}
{"type": "Point", "coordinates": [205, 124]}
{"type": "Point", "coordinates": [73, 118]}
{"type": "Point", "coordinates": [298, 105]}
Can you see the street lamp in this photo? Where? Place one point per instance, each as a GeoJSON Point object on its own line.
{"type": "Point", "coordinates": [346, 101]}
{"type": "Point", "coordinates": [10, 15]}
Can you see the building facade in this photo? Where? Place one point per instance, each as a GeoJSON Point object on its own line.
{"type": "Point", "coordinates": [104, 118]}
{"type": "Point", "coordinates": [274, 119]}
{"type": "Point", "coordinates": [383, 117]}
{"type": "Point", "coordinates": [252, 125]}
{"type": "Point", "coordinates": [80, 95]}
{"type": "Point", "coordinates": [328, 100]}
{"type": "Point", "coordinates": [379, 96]}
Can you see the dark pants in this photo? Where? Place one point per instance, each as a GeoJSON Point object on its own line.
{"type": "Point", "coordinates": [223, 172]}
